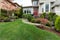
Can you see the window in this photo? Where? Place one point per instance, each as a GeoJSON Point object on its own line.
{"type": "Point", "coordinates": [25, 11]}
{"type": "Point", "coordinates": [42, 10]}
{"type": "Point", "coordinates": [28, 11]}
{"type": "Point", "coordinates": [35, 3]}
{"type": "Point", "coordinates": [47, 7]}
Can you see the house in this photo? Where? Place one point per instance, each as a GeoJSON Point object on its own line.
{"type": "Point", "coordinates": [56, 7]}
{"type": "Point", "coordinates": [8, 5]}
{"type": "Point", "coordinates": [49, 6]}
{"type": "Point", "coordinates": [17, 5]}
{"type": "Point", "coordinates": [28, 9]}
{"type": "Point", "coordinates": [45, 5]}
{"type": "Point", "coordinates": [31, 9]}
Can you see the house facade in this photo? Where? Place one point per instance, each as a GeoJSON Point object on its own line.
{"type": "Point", "coordinates": [28, 10]}
{"type": "Point", "coordinates": [49, 6]}
{"type": "Point", "coordinates": [32, 9]}
{"type": "Point", "coordinates": [40, 6]}
{"type": "Point", "coordinates": [56, 7]}
{"type": "Point", "coordinates": [45, 5]}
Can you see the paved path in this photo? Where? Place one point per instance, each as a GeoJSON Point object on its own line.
{"type": "Point", "coordinates": [36, 24]}
{"type": "Point", "coordinates": [27, 22]}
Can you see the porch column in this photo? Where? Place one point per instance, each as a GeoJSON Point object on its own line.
{"type": "Point", "coordinates": [49, 7]}
{"type": "Point", "coordinates": [13, 13]}
{"type": "Point", "coordinates": [44, 7]}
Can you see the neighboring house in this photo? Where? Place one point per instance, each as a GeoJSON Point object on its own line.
{"type": "Point", "coordinates": [8, 5]}
{"type": "Point", "coordinates": [31, 9]}
{"type": "Point", "coordinates": [17, 5]}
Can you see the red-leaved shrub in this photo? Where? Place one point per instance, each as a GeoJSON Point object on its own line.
{"type": "Point", "coordinates": [42, 20]}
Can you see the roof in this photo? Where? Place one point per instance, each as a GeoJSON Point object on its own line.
{"type": "Point", "coordinates": [35, 0]}
{"type": "Point", "coordinates": [9, 6]}
{"type": "Point", "coordinates": [30, 7]}
{"type": "Point", "coordinates": [11, 2]}
{"type": "Point", "coordinates": [17, 4]}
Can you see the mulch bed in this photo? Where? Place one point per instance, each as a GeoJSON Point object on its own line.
{"type": "Point", "coordinates": [48, 29]}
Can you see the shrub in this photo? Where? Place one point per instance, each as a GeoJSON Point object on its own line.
{"type": "Point", "coordinates": [54, 18]}
{"type": "Point", "coordinates": [44, 21]}
{"type": "Point", "coordinates": [38, 20]}
{"type": "Point", "coordinates": [19, 12]}
{"type": "Point", "coordinates": [57, 24]}
{"type": "Point", "coordinates": [43, 15]}
{"type": "Point", "coordinates": [6, 19]}
{"type": "Point", "coordinates": [2, 17]}
{"type": "Point", "coordinates": [33, 20]}
{"type": "Point", "coordinates": [48, 24]}
{"type": "Point", "coordinates": [3, 12]}
{"type": "Point", "coordinates": [24, 16]}
{"type": "Point", "coordinates": [51, 16]}
{"type": "Point", "coordinates": [29, 17]}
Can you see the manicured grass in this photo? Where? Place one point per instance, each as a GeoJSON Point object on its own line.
{"type": "Point", "coordinates": [18, 30]}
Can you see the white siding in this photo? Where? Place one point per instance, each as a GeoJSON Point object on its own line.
{"type": "Point", "coordinates": [43, 6]}
{"type": "Point", "coordinates": [40, 8]}
{"type": "Point", "coordinates": [44, 2]}
{"type": "Point", "coordinates": [57, 10]}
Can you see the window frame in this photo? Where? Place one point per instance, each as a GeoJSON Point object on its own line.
{"type": "Point", "coordinates": [47, 7]}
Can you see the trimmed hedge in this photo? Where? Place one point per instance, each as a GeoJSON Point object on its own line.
{"type": "Point", "coordinates": [28, 16]}
{"type": "Point", "coordinates": [57, 24]}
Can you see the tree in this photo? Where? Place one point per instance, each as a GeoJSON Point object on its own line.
{"type": "Point", "coordinates": [19, 12]}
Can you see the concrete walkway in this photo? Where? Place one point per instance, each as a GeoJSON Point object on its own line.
{"type": "Point", "coordinates": [36, 24]}
{"type": "Point", "coordinates": [27, 22]}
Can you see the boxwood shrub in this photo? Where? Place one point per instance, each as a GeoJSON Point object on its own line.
{"type": "Point", "coordinates": [57, 24]}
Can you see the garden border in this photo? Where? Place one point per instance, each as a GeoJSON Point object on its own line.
{"type": "Point", "coordinates": [43, 27]}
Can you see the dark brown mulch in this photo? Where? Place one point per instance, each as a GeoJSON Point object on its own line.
{"type": "Point", "coordinates": [48, 29]}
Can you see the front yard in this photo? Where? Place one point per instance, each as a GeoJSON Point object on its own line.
{"type": "Point", "coordinates": [18, 30]}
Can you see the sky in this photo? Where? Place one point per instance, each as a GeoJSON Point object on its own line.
{"type": "Point", "coordinates": [23, 2]}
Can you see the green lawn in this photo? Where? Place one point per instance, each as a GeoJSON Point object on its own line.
{"type": "Point", "coordinates": [18, 30]}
